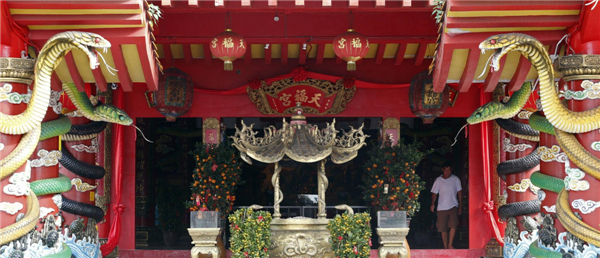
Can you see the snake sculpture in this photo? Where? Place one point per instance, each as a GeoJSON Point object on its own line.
{"type": "Point", "coordinates": [501, 113]}
{"type": "Point", "coordinates": [29, 122]}
{"type": "Point", "coordinates": [564, 122]}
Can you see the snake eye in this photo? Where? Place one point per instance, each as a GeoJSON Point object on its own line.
{"type": "Point", "coordinates": [97, 40]}
{"type": "Point", "coordinates": [478, 115]}
{"type": "Point", "coordinates": [121, 118]}
{"type": "Point", "coordinates": [492, 41]}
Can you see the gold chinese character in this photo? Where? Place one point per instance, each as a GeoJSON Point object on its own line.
{"type": "Point", "coordinates": [315, 99]}
{"type": "Point", "coordinates": [211, 137]}
{"type": "Point", "coordinates": [342, 43]}
{"type": "Point", "coordinates": [356, 43]}
{"type": "Point", "coordinates": [285, 98]}
{"type": "Point", "coordinates": [242, 44]}
{"type": "Point", "coordinates": [214, 43]}
{"type": "Point", "coordinates": [228, 42]}
{"type": "Point", "coordinates": [300, 96]}
{"type": "Point", "coordinates": [367, 43]}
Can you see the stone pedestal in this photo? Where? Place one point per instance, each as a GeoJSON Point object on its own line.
{"type": "Point", "coordinates": [205, 241]}
{"type": "Point", "coordinates": [392, 242]}
{"type": "Point", "coordinates": [302, 237]}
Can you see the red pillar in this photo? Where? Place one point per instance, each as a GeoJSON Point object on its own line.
{"type": "Point", "coordinates": [10, 47]}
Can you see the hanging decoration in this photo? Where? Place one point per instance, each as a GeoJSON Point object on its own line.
{"type": "Point", "coordinates": [351, 47]}
{"type": "Point", "coordinates": [175, 94]}
{"type": "Point", "coordinates": [228, 46]}
{"type": "Point", "coordinates": [424, 102]}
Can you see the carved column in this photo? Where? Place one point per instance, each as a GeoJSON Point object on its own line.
{"type": "Point", "coordinates": [391, 128]}
{"type": "Point", "coordinates": [582, 74]}
{"type": "Point", "coordinates": [16, 74]}
{"type": "Point", "coordinates": [323, 184]}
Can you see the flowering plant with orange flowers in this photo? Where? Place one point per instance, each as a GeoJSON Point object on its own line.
{"type": "Point", "coordinates": [215, 178]}
{"type": "Point", "coordinates": [390, 181]}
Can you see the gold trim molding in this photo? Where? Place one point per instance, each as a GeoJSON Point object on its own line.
{"type": "Point", "coordinates": [578, 67]}
{"type": "Point", "coordinates": [17, 70]}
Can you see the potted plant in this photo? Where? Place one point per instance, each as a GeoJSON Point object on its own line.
{"type": "Point", "coordinates": [250, 233]}
{"type": "Point", "coordinates": [390, 182]}
{"type": "Point", "coordinates": [350, 235]}
{"type": "Point", "coordinates": [170, 211]}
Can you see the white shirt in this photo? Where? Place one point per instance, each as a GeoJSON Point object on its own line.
{"type": "Point", "coordinates": [446, 190]}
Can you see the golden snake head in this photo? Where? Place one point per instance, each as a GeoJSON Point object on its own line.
{"type": "Point", "coordinates": [112, 114]}
{"type": "Point", "coordinates": [487, 112]}
{"type": "Point", "coordinates": [502, 44]}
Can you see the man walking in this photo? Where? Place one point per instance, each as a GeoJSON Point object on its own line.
{"type": "Point", "coordinates": [447, 186]}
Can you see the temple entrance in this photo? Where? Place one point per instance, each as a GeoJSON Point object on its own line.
{"type": "Point", "coordinates": [438, 136]}
{"type": "Point", "coordinates": [166, 167]}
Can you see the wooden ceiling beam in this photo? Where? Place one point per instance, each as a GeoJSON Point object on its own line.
{"type": "Point", "coordinates": [493, 78]}
{"type": "Point", "coordinates": [472, 40]}
{"type": "Point", "coordinates": [165, 3]}
{"type": "Point", "coordinates": [379, 3]}
{"type": "Point", "coordinates": [513, 5]}
{"type": "Point", "coordinates": [268, 48]}
{"type": "Point", "coordinates": [168, 56]}
{"type": "Point", "coordinates": [272, 3]}
{"type": "Point", "coordinates": [518, 21]}
{"type": "Point", "coordinates": [246, 3]}
{"type": "Point", "coordinates": [193, 3]}
{"type": "Point", "coordinates": [442, 67]}
{"type": "Point", "coordinates": [284, 53]}
{"type": "Point", "coordinates": [149, 67]}
{"type": "Point", "coordinates": [406, 3]}
{"type": "Point", "coordinates": [302, 56]}
{"type": "Point", "coordinates": [520, 75]}
{"type": "Point", "coordinates": [420, 54]}
{"type": "Point", "coordinates": [72, 66]}
{"type": "Point", "coordinates": [320, 53]}
{"type": "Point", "coordinates": [400, 54]}
{"type": "Point", "coordinates": [187, 53]}
{"type": "Point", "coordinates": [247, 56]}
{"type": "Point", "coordinates": [466, 79]}
{"type": "Point", "coordinates": [380, 52]}
{"type": "Point", "coordinates": [353, 3]}
{"type": "Point", "coordinates": [121, 66]}
{"type": "Point", "coordinates": [207, 54]}
{"type": "Point", "coordinates": [100, 80]}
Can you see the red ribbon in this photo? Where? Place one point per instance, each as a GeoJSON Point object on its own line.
{"type": "Point", "coordinates": [118, 208]}
{"type": "Point", "coordinates": [488, 206]}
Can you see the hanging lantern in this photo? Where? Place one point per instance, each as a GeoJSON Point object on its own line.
{"type": "Point", "coordinates": [351, 47]}
{"type": "Point", "coordinates": [424, 102]}
{"type": "Point", "coordinates": [228, 46]}
{"type": "Point", "coordinates": [175, 94]}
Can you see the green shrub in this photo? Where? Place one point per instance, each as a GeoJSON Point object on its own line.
{"type": "Point", "coordinates": [350, 235]}
{"type": "Point", "coordinates": [250, 233]}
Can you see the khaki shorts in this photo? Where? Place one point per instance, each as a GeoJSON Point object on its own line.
{"type": "Point", "coordinates": [447, 219]}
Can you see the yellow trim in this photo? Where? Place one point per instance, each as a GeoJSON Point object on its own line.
{"type": "Point", "coordinates": [133, 63]}
{"type": "Point", "coordinates": [512, 13]}
{"type": "Point", "coordinates": [511, 29]}
{"type": "Point", "coordinates": [74, 11]}
{"type": "Point", "coordinates": [83, 26]}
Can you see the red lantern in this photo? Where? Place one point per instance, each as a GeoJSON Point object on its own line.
{"type": "Point", "coordinates": [424, 102]}
{"type": "Point", "coordinates": [351, 47]}
{"type": "Point", "coordinates": [228, 46]}
{"type": "Point", "coordinates": [175, 94]}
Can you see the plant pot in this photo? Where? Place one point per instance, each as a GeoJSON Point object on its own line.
{"type": "Point", "coordinates": [170, 237]}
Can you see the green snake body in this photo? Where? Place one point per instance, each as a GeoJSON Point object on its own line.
{"type": "Point", "coordinates": [60, 184]}
{"type": "Point", "coordinates": [56, 127]}
{"type": "Point", "coordinates": [495, 109]}
{"type": "Point", "coordinates": [547, 182]}
{"type": "Point", "coordinates": [540, 123]}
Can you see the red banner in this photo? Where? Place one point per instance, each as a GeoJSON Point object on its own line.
{"type": "Point", "coordinates": [308, 97]}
